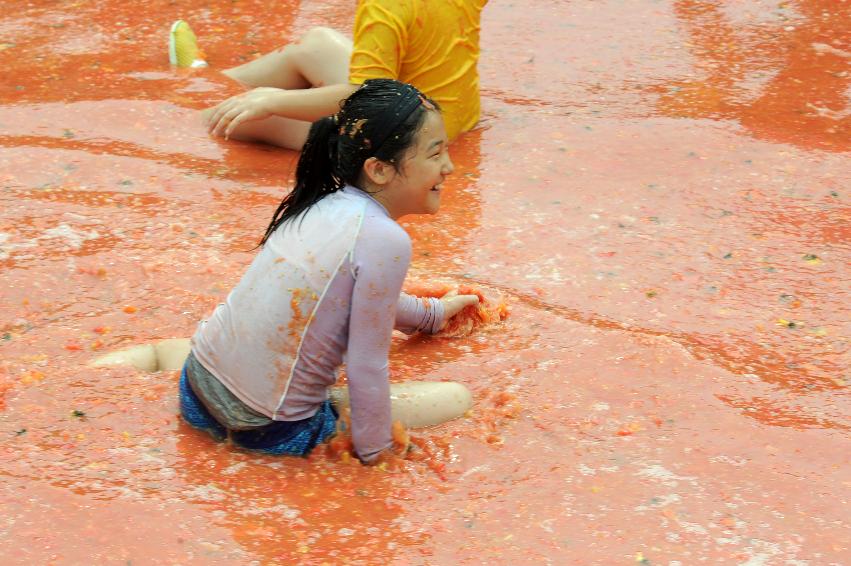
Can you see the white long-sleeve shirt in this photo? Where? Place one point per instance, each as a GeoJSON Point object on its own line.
{"type": "Point", "coordinates": [324, 287]}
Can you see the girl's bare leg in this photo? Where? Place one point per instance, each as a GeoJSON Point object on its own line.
{"type": "Point", "coordinates": [141, 357]}
{"type": "Point", "coordinates": [319, 58]}
{"type": "Point", "coordinates": [172, 353]}
{"type": "Point", "coordinates": [164, 355]}
{"type": "Point", "coordinates": [420, 403]}
{"type": "Point", "coordinates": [415, 403]}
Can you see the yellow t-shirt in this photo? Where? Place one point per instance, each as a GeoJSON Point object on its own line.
{"type": "Point", "coordinates": [431, 44]}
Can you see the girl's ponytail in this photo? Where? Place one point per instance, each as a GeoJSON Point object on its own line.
{"type": "Point", "coordinates": [315, 174]}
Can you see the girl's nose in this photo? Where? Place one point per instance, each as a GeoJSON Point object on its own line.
{"type": "Point", "coordinates": [448, 166]}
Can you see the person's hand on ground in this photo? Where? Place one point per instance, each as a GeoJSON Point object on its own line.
{"type": "Point", "coordinates": [256, 104]}
{"type": "Point", "coordinates": [453, 303]}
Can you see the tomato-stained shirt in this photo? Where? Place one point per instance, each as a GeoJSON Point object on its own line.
{"type": "Point", "coordinates": [324, 289]}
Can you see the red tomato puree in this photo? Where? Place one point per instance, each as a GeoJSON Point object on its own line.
{"type": "Point", "coordinates": [658, 189]}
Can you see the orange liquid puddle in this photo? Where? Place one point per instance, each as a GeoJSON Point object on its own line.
{"type": "Point", "coordinates": [657, 189]}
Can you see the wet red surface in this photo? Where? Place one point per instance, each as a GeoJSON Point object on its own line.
{"type": "Point", "coordinates": [659, 190]}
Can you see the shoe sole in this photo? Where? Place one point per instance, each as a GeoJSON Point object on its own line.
{"type": "Point", "coordinates": [172, 48]}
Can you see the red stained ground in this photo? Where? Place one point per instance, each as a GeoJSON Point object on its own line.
{"type": "Point", "coordinates": [660, 189]}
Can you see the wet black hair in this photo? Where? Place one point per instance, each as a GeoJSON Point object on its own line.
{"type": "Point", "coordinates": [380, 119]}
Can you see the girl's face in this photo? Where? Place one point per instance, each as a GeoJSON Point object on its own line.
{"type": "Point", "coordinates": [415, 188]}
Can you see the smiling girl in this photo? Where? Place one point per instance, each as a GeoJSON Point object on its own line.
{"type": "Point", "coordinates": [326, 285]}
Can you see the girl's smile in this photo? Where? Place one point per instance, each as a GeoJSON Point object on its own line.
{"type": "Point", "coordinates": [415, 187]}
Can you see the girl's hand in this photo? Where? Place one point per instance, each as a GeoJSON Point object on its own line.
{"type": "Point", "coordinates": [453, 303]}
{"type": "Point", "coordinates": [255, 104]}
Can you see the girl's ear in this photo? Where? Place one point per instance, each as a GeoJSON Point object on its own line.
{"type": "Point", "coordinates": [378, 172]}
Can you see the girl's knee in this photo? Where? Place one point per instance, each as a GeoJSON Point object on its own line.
{"type": "Point", "coordinates": [419, 403]}
{"type": "Point", "coordinates": [322, 36]}
{"type": "Point", "coordinates": [427, 403]}
{"type": "Point", "coordinates": [322, 56]}
{"type": "Point", "coordinates": [322, 45]}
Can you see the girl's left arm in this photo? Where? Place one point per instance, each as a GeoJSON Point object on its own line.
{"type": "Point", "coordinates": [380, 261]}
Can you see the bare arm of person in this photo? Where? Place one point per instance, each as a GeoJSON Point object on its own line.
{"type": "Point", "coordinates": [427, 314]}
{"type": "Point", "coordinates": [307, 105]}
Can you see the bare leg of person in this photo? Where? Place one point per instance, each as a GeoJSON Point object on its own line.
{"type": "Point", "coordinates": [415, 403]}
{"type": "Point", "coordinates": [319, 58]}
{"type": "Point", "coordinates": [172, 353]}
{"type": "Point", "coordinates": [164, 355]}
{"type": "Point", "coordinates": [142, 357]}
{"type": "Point", "coordinates": [419, 403]}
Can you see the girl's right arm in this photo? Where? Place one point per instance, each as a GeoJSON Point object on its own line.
{"type": "Point", "coordinates": [428, 314]}
{"type": "Point", "coordinates": [418, 314]}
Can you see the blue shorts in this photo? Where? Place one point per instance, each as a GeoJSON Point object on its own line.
{"type": "Point", "coordinates": [296, 438]}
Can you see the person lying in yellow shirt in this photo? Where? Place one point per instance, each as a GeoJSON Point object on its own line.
{"type": "Point", "coordinates": [431, 44]}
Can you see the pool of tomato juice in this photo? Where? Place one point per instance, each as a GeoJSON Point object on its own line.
{"type": "Point", "coordinates": [658, 189]}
